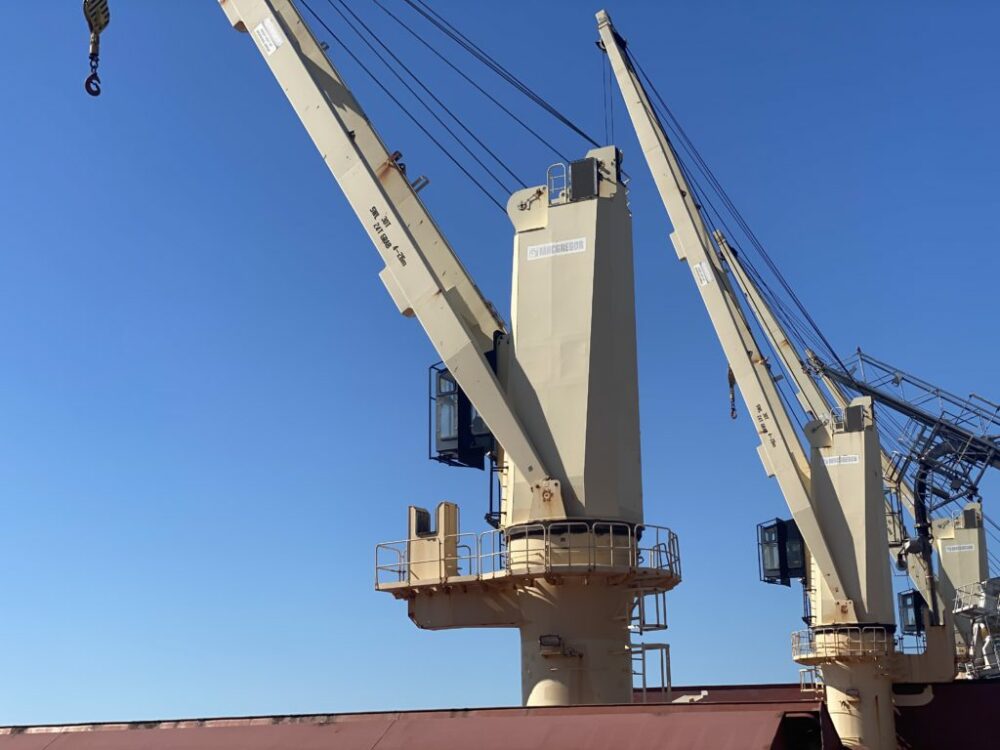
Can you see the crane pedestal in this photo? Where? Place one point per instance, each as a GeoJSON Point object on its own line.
{"type": "Point", "coordinates": [859, 699]}
{"type": "Point", "coordinates": [575, 643]}
{"type": "Point", "coordinates": [569, 587]}
{"type": "Point", "coordinates": [856, 662]}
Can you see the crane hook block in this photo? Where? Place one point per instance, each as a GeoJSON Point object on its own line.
{"type": "Point", "coordinates": [98, 17]}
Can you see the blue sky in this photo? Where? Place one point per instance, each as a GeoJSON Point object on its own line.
{"type": "Point", "coordinates": [210, 411]}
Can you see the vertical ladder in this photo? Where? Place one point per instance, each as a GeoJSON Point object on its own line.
{"type": "Point", "coordinates": [647, 613]}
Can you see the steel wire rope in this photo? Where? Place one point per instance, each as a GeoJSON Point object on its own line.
{"type": "Point", "coordinates": [797, 330]}
{"type": "Point", "coordinates": [437, 100]}
{"type": "Point", "coordinates": [608, 83]}
{"type": "Point", "coordinates": [417, 96]}
{"type": "Point", "coordinates": [471, 81]}
{"type": "Point", "coordinates": [706, 208]}
{"type": "Point", "coordinates": [895, 434]}
{"type": "Point", "coordinates": [743, 302]}
{"type": "Point", "coordinates": [672, 123]}
{"type": "Point", "coordinates": [793, 328]}
{"type": "Point", "coordinates": [402, 107]}
{"type": "Point", "coordinates": [780, 309]}
{"type": "Point", "coordinates": [604, 96]}
{"type": "Point", "coordinates": [473, 49]}
{"type": "Point", "coordinates": [740, 220]}
{"type": "Point", "coordinates": [896, 429]}
{"type": "Point", "coordinates": [780, 378]}
{"type": "Point", "coordinates": [800, 335]}
{"type": "Point", "coordinates": [994, 559]}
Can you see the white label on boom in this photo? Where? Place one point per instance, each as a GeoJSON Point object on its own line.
{"type": "Point", "coordinates": [959, 547]}
{"type": "Point", "coordinates": [702, 273]}
{"type": "Point", "coordinates": [537, 252]}
{"type": "Point", "coordinates": [269, 35]}
{"type": "Point", "coordinates": [852, 458]}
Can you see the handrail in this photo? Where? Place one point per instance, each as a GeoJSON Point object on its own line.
{"type": "Point", "coordinates": [565, 547]}
{"type": "Point", "coordinates": [977, 599]}
{"type": "Point", "coordinates": [839, 642]}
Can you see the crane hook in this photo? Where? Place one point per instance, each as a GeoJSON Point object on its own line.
{"type": "Point", "coordinates": [93, 83]}
{"type": "Point", "coordinates": [98, 17]}
{"type": "Point", "coordinates": [732, 394]}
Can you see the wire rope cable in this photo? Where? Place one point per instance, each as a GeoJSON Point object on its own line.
{"type": "Point", "coordinates": [400, 105]}
{"type": "Point", "coordinates": [409, 88]}
{"type": "Point", "coordinates": [430, 93]}
{"type": "Point", "coordinates": [477, 52]}
{"type": "Point", "coordinates": [737, 216]}
{"type": "Point", "coordinates": [506, 110]}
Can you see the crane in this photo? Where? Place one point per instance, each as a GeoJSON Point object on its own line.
{"type": "Point", "coordinates": [836, 494]}
{"type": "Point", "coordinates": [553, 398]}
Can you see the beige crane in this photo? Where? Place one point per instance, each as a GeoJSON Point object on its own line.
{"type": "Point", "coordinates": [834, 494]}
{"type": "Point", "coordinates": [572, 561]}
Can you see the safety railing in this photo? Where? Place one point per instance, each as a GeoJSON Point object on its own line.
{"type": "Point", "coordinates": [582, 544]}
{"type": "Point", "coordinates": [390, 563]}
{"type": "Point", "coordinates": [493, 556]}
{"type": "Point", "coordinates": [803, 644]}
{"type": "Point", "coordinates": [526, 546]}
{"type": "Point", "coordinates": [565, 547]}
{"type": "Point", "coordinates": [658, 549]}
{"type": "Point", "coordinates": [979, 605]}
{"type": "Point", "coordinates": [462, 559]}
{"type": "Point", "coordinates": [427, 559]}
{"type": "Point", "coordinates": [978, 599]}
{"type": "Point", "coordinates": [841, 643]}
{"type": "Point", "coordinates": [557, 182]}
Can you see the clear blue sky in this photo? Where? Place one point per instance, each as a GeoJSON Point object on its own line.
{"type": "Point", "coordinates": [210, 411]}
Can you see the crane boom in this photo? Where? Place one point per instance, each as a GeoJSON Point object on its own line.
{"type": "Point", "coordinates": [422, 273]}
{"type": "Point", "coordinates": [780, 450]}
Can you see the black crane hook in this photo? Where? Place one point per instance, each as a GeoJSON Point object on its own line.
{"type": "Point", "coordinates": [93, 83]}
{"type": "Point", "coordinates": [732, 394]}
{"type": "Point", "coordinates": [98, 17]}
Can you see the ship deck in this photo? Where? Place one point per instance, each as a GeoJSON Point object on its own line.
{"type": "Point", "coordinates": [719, 717]}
